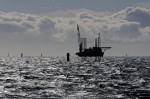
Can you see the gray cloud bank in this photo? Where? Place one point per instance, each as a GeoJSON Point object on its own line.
{"type": "Point", "coordinates": [129, 25]}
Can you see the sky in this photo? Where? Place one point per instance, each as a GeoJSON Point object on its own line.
{"type": "Point", "coordinates": [49, 27]}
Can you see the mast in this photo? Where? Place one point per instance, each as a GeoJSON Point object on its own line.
{"type": "Point", "coordinates": [95, 42]}
{"type": "Point", "coordinates": [99, 40]}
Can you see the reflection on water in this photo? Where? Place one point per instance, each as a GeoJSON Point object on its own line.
{"type": "Point", "coordinates": [51, 77]}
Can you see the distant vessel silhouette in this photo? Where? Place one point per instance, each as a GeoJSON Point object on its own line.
{"type": "Point", "coordinates": [96, 51]}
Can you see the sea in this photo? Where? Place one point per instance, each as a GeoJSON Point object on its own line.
{"type": "Point", "coordinates": [111, 77]}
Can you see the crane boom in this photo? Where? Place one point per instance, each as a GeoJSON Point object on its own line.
{"type": "Point", "coordinates": [78, 34]}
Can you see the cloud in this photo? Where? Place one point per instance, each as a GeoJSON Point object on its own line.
{"type": "Point", "coordinates": [140, 15]}
{"type": "Point", "coordinates": [72, 13]}
{"type": "Point", "coordinates": [129, 25]}
{"type": "Point", "coordinates": [20, 25]}
{"type": "Point", "coordinates": [46, 25]}
{"type": "Point", "coordinates": [129, 22]}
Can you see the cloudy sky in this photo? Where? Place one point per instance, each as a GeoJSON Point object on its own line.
{"type": "Point", "coordinates": [49, 26]}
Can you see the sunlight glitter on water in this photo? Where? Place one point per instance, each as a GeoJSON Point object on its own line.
{"type": "Point", "coordinates": [50, 77]}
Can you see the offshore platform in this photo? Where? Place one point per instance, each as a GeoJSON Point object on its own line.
{"type": "Point", "coordinates": [97, 51]}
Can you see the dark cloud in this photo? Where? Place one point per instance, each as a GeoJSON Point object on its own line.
{"type": "Point", "coordinates": [46, 25]}
{"type": "Point", "coordinates": [140, 15]}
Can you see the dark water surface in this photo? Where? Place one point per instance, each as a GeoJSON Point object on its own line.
{"type": "Point", "coordinates": [53, 77]}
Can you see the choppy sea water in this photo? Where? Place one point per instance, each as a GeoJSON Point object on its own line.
{"type": "Point", "coordinates": [53, 77]}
